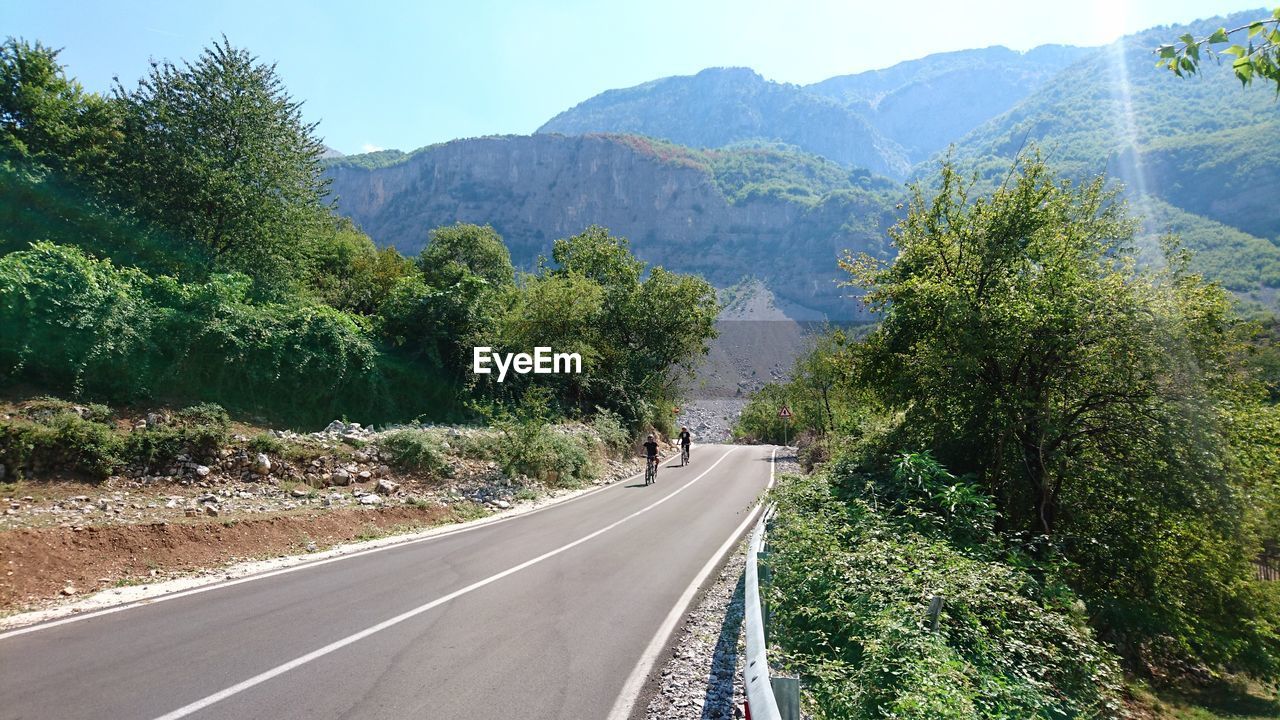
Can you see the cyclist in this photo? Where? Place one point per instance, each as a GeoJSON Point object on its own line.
{"type": "Point", "coordinates": [685, 441]}
{"type": "Point", "coordinates": [651, 455]}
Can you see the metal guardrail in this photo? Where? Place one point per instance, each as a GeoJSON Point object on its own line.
{"type": "Point", "coordinates": [768, 698]}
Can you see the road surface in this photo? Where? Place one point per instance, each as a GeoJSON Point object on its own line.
{"type": "Point", "coordinates": [558, 613]}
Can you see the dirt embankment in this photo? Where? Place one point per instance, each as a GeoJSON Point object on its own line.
{"type": "Point", "coordinates": [47, 562]}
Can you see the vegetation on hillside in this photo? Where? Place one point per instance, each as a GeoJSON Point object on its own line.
{"type": "Point", "coordinates": [1103, 427]}
{"type": "Point", "coordinates": [1204, 145]}
{"type": "Point", "coordinates": [174, 242]}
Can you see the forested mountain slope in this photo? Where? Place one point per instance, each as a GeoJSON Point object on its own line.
{"type": "Point", "coordinates": [722, 106]}
{"type": "Point", "coordinates": [1202, 144]}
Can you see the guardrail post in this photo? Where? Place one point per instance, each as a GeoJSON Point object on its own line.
{"type": "Point", "coordinates": [935, 609]}
{"type": "Point", "coordinates": [786, 691]}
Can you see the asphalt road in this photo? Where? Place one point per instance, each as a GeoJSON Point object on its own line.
{"type": "Point", "coordinates": [557, 613]}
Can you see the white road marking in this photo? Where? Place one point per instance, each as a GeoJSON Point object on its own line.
{"type": "Point", "coordinates": [624, 706]}
{"type": "Point", "coordinates": [432, 534]}
{"type": "Point", "coordinates": [356, 637]}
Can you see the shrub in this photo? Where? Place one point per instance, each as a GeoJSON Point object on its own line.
{"type": "Point", "coordinates": [849, 595]}
{"type": "Point", "coordinates": [197, 432]}
{"type": "Point", "coordinates": [66, 441]}
{"type": "Point", "coordinates": [414, 450]}
{"type": "Point", "coordinates": [266, 443]}
{"type": "Point", "coordinates": [608, 425]}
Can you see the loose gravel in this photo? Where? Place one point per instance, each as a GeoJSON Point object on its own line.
{"type": "Point", "coordinates": [703, 679]}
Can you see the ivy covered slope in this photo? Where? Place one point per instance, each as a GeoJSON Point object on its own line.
{"type": "Point", "coordinates": [723, 213]}
{"type": "Point", "coordinates": [166, 244]}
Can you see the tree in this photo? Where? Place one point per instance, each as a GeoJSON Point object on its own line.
{"type": "Point", "coordinates": [48, 118]}
{"type": "Point", "coordinates": [350, 273]}
{"type": "Point", "coordinates": [217, 153]}
{"type": "Point", "coordinates": [462, 250]}
{"type": "Point", "coordinates": [1104, 409]}
{"type": "Point", "coordinates": [650, 330]}
{"type": "Point", "coordinates": [1261, 60]}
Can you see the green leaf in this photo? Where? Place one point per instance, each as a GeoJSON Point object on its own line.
{"type": "Point", "coordinates": [1167, 51]}
{"type": "Point", "coordinates": [1244, 72]}
{"type": "Point", "coordinates": [1219, 36]}
{"type": "Point", "coordinates": [1235, 50]}
{"type": "Point", "coordinates": [1188, 39]}
{"type": "Point", "coordinates": [1256, 27]}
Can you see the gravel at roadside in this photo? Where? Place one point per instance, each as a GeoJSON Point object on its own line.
{"type": "Point", "coordinates": [703, 678]}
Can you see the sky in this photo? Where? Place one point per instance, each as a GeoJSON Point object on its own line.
{"type": "Point", "coordinates": [404, 73]}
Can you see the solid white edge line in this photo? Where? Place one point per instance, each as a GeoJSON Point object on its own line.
{"type": "Point", "coordinates": [624, 705]}
{"type": "Point", "coordinates": [260, 678]}
{"type": "Point", "coordinates": [424, 536]}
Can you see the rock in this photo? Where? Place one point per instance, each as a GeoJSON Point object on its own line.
{"type": "Point", "coordinates": [69, 590]}
{"type": "Point", "coordinates": [191, 511]}
{"type": "Point", "coordinates": [211, 510]}
{"type": "Point", "coordinates": [361, 457]}
{"type": "Point", "coordinates": [340, 477]}
{"type": "Point", "coordinates": [300, 493]}
{"type": "Point", "coordinates": [502, 504]}
{"type": "Point", "coordinates": [364, 475]}
{"type": "Point", "coordinates": [386, 487]}
{"type": "Point", "coordinates": [261, 465]}
{"type": "Point", "coordinates": [337, 426]}
{"type": "Point", "coordinates": [202, 470]}
{"type": "Point", "coordinates": [370, 499]}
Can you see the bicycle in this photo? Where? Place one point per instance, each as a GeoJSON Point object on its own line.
{"type": "Point", "coordinates": [651, 471]}
{"type": "Point", "coordinates": [684, 455]}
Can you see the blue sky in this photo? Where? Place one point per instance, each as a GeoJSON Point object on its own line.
{"type": "Point", "coordinates": [402, 74]}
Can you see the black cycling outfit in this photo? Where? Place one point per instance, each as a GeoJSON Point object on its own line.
{"type": "Point", "coordinates": [685, 438]}
{"type": "Point", "coordinates": [651, 449]}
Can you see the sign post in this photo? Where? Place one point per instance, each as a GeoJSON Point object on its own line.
{"type": "Point", "coordinates": [785, 413]}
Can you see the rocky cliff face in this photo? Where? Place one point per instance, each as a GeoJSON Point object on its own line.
{"type": "Point", "coordinates": [535, 189]}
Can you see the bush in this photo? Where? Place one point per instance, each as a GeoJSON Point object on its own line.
{"type": "Point", "coordinates": [849, 595]}
{"type": "Point", "coordinates": [608, 425]}
{"type": "Point", "coordinates": [196, 432]}
{"type": "Point", "coordinates": [416, 450]}
{"type": "Point", "coordinates": [266, 443]}
{"type": "Point", "coordinates": [61, 441]}
{"type": "Point", "coordinates": [84, 326]}
{"type": "Point", "coordinates": [46, 407]}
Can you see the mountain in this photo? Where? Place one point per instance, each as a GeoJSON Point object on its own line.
{"type": "Point", "coordinates": [719, 107]}
{"type": "Point", "coordinates": [924, 104]}
{"type": "Point", "coordinates": [727, 214]}
{"type": "Point", "coordinates": [883, 120]}
{"type": "Point", "coordinates": [1204, 144]}
{"type": "Point", "coordinates": [1198, 155]}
